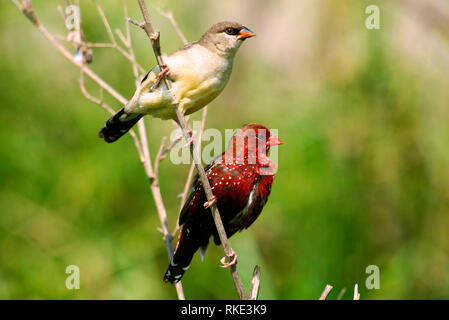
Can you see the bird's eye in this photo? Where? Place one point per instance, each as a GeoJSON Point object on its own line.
{"type": "Point", "coordinates": [232, 31]}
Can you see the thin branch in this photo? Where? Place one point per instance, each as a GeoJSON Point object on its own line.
{"type": "Point", "coordinates": [255, 282]}
{"type": "Point", "coordinates": [159, 157]}
{"type": "Point", "coordinates": [169, 15]}
{"type": "Point", "coordinates": [152, 175]}
{"type": "Point", "coordinates": [356, 292]}
{"type": "Point", "coordinates": [108, 109]}
{"type": "Point", "coordinates": [130, 48]}
{"type": "Point", "coordinates": [106, 23]}
{"type": "Point", "coordinates": [162, 153]}
{"type": "Point", "coordinates": [113, 43]}
{"type": "Point", "coordinates": [62, 13]}
{"type": "Point", "coordinates": [188, 183]}
{"type": "Point", "coordinates": [92, 98]}
{"type": "Point", "coordinates": [341, 294]}
{"type": "Point", "coordinates": [136, 23]}
{"type": "Point", "coordinates": [154, 38]}
{"type": "Point", "coordinates": [325, 293]}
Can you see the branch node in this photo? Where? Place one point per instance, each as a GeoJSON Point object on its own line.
{"type": "Point", "coordinates": [155, 36]}
{"type": "Point", "coordinates": [27, 9]}
{"type": "Point", "coordinates": [136, 23]}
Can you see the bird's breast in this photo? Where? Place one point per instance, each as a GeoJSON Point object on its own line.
{"type": "Point", "coordinates": [197, 76]}
{"type": "Point", "coordinates": [200, 76]}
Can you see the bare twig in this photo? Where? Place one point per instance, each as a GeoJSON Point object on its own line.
{"type": "Point", "coordinates": [152, 175]}
{"type": "Point", "coordinates": [159, 157]}
{"type": "Point", "coordinates": [106, 23]}
{"type": "Point", "coordinates": [169, 15]}
{"type": "Point", "coordinates": [255, 282]}
{"type": "Point", "coordinates": [341, 294]}
{"type": "Point", "coordinates": [113, 43]}
{"type": "Point", "coordinates": [188, 183]}
{"type": "Point", "coordinates": [108, 109]}
{"type": "Point", "coordinates": [136, 23]}
{"type": "Point", "coordinates": [155, 43]}
{"type": "Point", "coordinates": [325, 293]}
{"type": "Point", "coordinates": [356, 292]}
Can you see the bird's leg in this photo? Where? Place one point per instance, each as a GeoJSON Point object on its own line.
{"type": "Point", "coordinates": [230, 263]}
{"type": "Point", "coordinates": [165, 71]}
{"type": "Point", "coordinates": [210, 203]}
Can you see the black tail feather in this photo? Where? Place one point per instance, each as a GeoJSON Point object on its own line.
{"type": "Point", "coordinates": [188, 243]}
{"type": "Point", "coordinates": [181, 259]}
{"type": "Point", "coordinates": [175, 272]}
{"type": "Point", "coordinates": [116, 127]}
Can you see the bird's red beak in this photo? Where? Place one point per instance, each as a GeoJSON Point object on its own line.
{"type": "Point", "coordinates": [274, 141]}
{"type": "Point", "coordinates": [245, 33]}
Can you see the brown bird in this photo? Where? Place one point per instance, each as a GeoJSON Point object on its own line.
{"type": "Point", "coordinates": [199, 71]}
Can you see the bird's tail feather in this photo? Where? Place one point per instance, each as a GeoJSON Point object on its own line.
{"type": "Point", "coordinates": [187, 246]}
{"type": "Point", "coordinates": [119, 124]}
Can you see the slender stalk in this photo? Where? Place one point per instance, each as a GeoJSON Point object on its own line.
{"type": "Point", "coordinates": [155, 43]}
{"type": "Point", "coordinates": [356, 292]}
{"type": "Point", "coordinates": [169, 15]}
{"type": "Point", "coordinates": [152, 175]}
{"type": "Point", "coordinates": [255, 282]}
{"type": "Point", "coordinates": [326, 292]}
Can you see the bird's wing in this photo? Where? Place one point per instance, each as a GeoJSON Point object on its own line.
{"type": "Point", "coordinates": [149, 79]}
{"type": "Point", "coordinates": [195, 193]}
{"type": "Point", "coordinates": [183, 75]}
{"type": "Point", "coordinates": [257, 200]}
{"type": "Point", "coordinates": [183, 68]}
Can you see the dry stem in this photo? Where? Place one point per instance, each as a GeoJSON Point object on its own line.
{"type": "Point", "coordinates": [155, 43]}
{"type": "Point", "coordinates": [255, 282]}
{"type": "Point", "coordinates": [325, 293]}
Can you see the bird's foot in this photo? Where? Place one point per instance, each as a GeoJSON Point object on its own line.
{"type": "Point", "coordinates": [210, 203]}
{"type": "Point", "coordinates": [165, 72]}
{"type": "Point", "coordinates": [233, 261]}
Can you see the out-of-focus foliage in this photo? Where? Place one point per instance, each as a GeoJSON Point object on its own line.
{"type": "Point", "coordinates": [363, 175]}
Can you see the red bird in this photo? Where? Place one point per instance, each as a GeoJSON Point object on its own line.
{"type": "Point", "coordinates": [241, 179]}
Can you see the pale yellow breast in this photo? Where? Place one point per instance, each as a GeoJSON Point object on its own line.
{"type": "Point", "coordinates": [198, 76]}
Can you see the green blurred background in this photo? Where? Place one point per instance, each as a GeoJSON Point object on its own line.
{"type": "Point", "coordinates": [363, 175]}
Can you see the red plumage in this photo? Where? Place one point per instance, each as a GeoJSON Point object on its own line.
{"type": "Point", "coordinates": [241, 179]}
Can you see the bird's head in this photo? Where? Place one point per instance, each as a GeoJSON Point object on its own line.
{"type": "Point", "coordinates": [251, 144]}
{"type": "Point", "coordinates": [226, 37]}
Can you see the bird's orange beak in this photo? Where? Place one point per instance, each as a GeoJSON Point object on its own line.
{"type": "Point", "coordinates": [245, 33]}
{"type": "Point", "coordinates": [274, 141]}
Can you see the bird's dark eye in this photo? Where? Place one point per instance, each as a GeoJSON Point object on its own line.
{"type": "Point", "coordinates": [232, 31]}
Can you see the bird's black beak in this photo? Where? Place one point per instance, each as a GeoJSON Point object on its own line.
{"type": "Point", "coordinates": [245, 33]}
